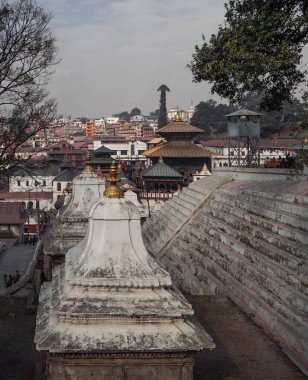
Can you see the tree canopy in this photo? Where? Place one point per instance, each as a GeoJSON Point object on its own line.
{"type": "Point", "coordinates": [258, 50]}
{"type": "Point", "coordinates": [27, 54]}
{"type": "Point", "coordinates": [124, 115]}
{"type": "Point", "coordinates": [211, 117]}
{"type": "Point", "coordinates": [134, 112]}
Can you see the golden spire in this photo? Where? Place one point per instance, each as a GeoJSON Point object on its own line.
{"type": "Point", "coordinates": [177, 117]}
{"type": "Point", "coordinates": [113, 190]}
{"type": "Point", "coordinates": [89, 165]}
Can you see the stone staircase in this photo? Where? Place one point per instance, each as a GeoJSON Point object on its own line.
{"type": "Point", "coordinates": [163, 225]}
{"type": "Point", "coordinates": [247, 241]}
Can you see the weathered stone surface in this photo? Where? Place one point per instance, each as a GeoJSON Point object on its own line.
{"type": "Point", "coordinates": [246, 239]}
{"type": "Point", "coordinates": [111, 296]}
{"type": "Point", "coordinates": [71, 224]}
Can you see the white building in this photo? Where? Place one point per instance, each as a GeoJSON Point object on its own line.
{"type": "Point", "coordinates": [40, 180]}
{"type": "Point", "coordinates": [112, 120]}
{"type": "Point", "coordinates": [126, 151]}
{"type": "Point", "coordinates": [186, 115]}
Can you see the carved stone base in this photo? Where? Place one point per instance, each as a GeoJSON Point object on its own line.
{"type": "Point", "coordinates": [128, 366]}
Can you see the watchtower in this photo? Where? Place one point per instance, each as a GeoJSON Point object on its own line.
{"type": "Point", "coordinates": [244, 135]}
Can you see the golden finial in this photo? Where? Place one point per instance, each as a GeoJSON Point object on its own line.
{"type": "Point", "coordinates": [89, 165]}
{"type": "Point", "coordinates": [113, 190]}
{"type": "Point", "coordinates": [177, 117]}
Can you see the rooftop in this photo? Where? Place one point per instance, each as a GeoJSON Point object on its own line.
{"type": "Point", "coordinates": [160, 170]}
{"type": "Point", "coordinates": [178, 149]}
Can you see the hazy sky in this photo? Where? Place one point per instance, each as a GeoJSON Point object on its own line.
{"type": "Point", "coordinates": [116, 53]}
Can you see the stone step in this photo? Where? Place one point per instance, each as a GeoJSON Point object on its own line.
{"type": "Point", "coordinates": [192, 193]}
{"type": "Point", "coordinates": [187, 201]}
{"type": "Point", "coordinates": [219, 267]}
{"type": "Point", "coordinates": [253, 304]}
{"type": "Point", "coordinates": [174, 216]}
{"type": "Point", "coordinates": [287, 267]}
{"type": "Point", "coordinates": [184, 208]}
{"type": "Point", "coordinates": [274, 202]}
{"type": "Point", "coordinates": [292, 254]}
{"type": "Point", "coordinates": [256, 219]}
{"type": "Point", "coordinates": [289, 253]}
{"type": "Point", "coordinates": [290, 198]}
{"type": "Point", "coordinates": [268, 213]}
{"type": "Point", "coordinates": [237, 255]}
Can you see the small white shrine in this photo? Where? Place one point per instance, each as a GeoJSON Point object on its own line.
{"type": "Point", "coordinates": [71, 224]}
{"type": "Point", "coordinates": [111, 310]}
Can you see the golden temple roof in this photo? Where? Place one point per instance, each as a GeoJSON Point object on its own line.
{"type": "Point", "coordinates": [178, 149]}
{"type": "Point", "coordinates": [180, 127]}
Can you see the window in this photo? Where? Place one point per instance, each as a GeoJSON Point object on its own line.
{"type": "Point", "coordinates": [18, 183]}
{"type": "Point", "coordinates": [44, 182]}
{"type": "Point", "coordinates": [59, 186]}
{"type": "Point", "coordinates": [27, 183]}
{"type": "Point", "coordinates": [132, 150]}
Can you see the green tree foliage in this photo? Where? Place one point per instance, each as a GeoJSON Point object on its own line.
{"type": "Point", "coordinates": [84, 119]}
{"type": "Point", "coordinates": [211, 117]}
{"type": "Point", "coordinates": [259, 50]}
{"type": "Point", "coordinates": [122, 115]}
{"type": "Point", "coordinates": [155, 113]}
{"type": "Point", "coordinates": [292, 115]}
{"type": "Point", "coordinates": [134, 112]}
{"type": "Point", "coordinates": [27, 54]}
{"type": "Point", "coordinates": [162, 118]}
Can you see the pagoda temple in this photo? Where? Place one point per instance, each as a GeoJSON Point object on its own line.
{"type": "Point", "coordinates": [111, 311]}
{"type": "Point", "coordinates": [179, 151]}
{"type": "Point", "coordinates": [71, 224]}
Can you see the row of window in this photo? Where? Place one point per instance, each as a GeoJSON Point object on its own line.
{"type": "Point", "coordinates": [36, 183]}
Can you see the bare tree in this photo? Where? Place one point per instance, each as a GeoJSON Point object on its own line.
{"type": "Point", "coordinates": [27, 56]}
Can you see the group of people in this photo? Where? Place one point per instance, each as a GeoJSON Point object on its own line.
{"type": "Point", "coordinates": [9, 280]}
{"type": "Point", "coordinates": [31, 239]}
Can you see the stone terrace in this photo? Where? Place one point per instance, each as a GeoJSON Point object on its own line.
{"type": "Point", "coordinates": [244, 239]}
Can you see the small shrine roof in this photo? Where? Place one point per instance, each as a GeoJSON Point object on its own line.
{"type": "Point", "coordinates": [103, 149]}
{"type": "Point", "coordinates": [160, 170]}
{"type": "Point", "coordinates": [67, 175]}
{"type": "Point", "coordinates": [244, 112]}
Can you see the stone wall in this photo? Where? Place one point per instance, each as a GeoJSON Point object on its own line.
{"type": "Point", "coordinates": [245, 239]}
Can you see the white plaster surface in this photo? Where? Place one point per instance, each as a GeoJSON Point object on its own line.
{"type": "Point", "coordinates": [111, 295]}
{"type": "Point", "coordinates": [72, 221]}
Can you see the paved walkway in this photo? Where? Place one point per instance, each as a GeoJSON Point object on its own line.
{"type": "Point", "coordinates": [15, 258]}
{"type": "Point", "coordinates": [243, 351]}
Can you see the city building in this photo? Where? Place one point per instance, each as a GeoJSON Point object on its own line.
{"type": "Point", "coordinates": [12, 220]}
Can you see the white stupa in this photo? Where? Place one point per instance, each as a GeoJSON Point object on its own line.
{"type": "Point", "coordinates": [111, 309]}
{"type": "Point", "coordinates": [132, 196]}
{"type": "Point", "coordinates": [204, 172]}
{"type": "Point", "coordinates": [71, 224]}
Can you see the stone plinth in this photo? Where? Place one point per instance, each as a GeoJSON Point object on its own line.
{"type": "Point", "coordinates": [139, 366]}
